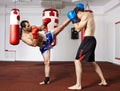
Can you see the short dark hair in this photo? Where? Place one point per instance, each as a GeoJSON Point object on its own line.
{"type": "Point", "coordinates": [22, 24]}
{"type": "Point", "coordinates": [78, 9]}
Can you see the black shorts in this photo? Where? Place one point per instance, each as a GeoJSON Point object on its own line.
{"type": "Point", "coordinates": [86, 51]}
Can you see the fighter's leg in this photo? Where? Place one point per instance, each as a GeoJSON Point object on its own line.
{"type": "Point", "coordinates": [59, 28]}
{"type": "Point", "coordinates": [46, 57]}
{"type": "Point", "coordinates": [78, 70]}
{"type": "Point", "coordinates": [100, 74]}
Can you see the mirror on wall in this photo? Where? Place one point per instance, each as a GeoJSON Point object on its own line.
{"type": "Point", "coordinates": [117, 40]}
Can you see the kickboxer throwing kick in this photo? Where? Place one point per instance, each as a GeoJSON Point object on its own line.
{"type": "Point", "coordinates": [32, 37]}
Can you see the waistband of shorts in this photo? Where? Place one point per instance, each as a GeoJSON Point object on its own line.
{"type": "Point", "coordinates": [89, 36]}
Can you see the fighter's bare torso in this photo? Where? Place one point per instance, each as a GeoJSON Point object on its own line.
{"type": "Point", "coordinates": [27, 37]}
{"type": "Point", "coordinates": [90, 27]}
{"type": "Point", "coordinates": [86, 22]}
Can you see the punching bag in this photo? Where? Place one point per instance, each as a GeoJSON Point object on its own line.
{"type": "Point", "coordinates": [14, 26]}
{"type": "Point", "coordinates": [53, 15]}
{"type": "Point", "coordinates": [74, 34]}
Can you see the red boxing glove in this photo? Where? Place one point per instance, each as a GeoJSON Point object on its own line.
{"type": "Point", "coordinates": [46, 21]}
{"type": "Point", "coordinates": [35, 32]}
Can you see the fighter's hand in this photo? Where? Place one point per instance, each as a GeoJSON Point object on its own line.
{"type": "Point", "coordinates": [35, 32]}
{"type": "Point", "coordinates": [72, 16]}
{"type": "Point", "coordinates": [46, 21]}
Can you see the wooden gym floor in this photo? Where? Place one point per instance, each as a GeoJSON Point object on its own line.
{"type": "Point", "coordinates": [25, 76]}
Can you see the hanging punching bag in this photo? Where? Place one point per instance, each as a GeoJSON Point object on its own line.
{"type": "Point", "coordinates": [14, 26]}
{"type": "Point", "coordinates": [53, 15]}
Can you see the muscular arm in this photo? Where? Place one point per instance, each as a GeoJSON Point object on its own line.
{"type": "Point", "coordinates": [78, 26]}
{"type": "Point", "coordinates": [45, 22]}
{"type": "Point", "coordinates": [31, 38]}
{"type": "Point", "coordinates": [42, 27]}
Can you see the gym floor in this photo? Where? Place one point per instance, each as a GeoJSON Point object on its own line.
{"type": "Point", "coordinates": [25, 76]}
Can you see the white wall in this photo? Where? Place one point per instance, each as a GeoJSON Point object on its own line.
{"type": "Point", "coordinates": [66, 48]}
{"type": "Point", "coordinates": [100, 34]}
{"type": "Point", "coordinates": [111, 17]}
{"type": "Point", "coordinates": [2, 32]}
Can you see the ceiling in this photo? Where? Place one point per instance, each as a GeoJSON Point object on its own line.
{"type": "Point", "coordinates": [54, 3]}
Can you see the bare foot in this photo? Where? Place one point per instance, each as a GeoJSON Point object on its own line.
{"type": "Point", "coordinates": [103, 83]}
{"type": "Point", "coordinates": [75, 87]}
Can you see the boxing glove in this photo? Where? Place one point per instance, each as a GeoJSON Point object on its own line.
{"type": "Point", "coordinates": [80, 6]}
{"type": "Point", "coordinates": [72, 16]}
{"type": "Point", "coordinates": [46, 21]}
{"type": "Point", "coordinates": [35, 32]}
